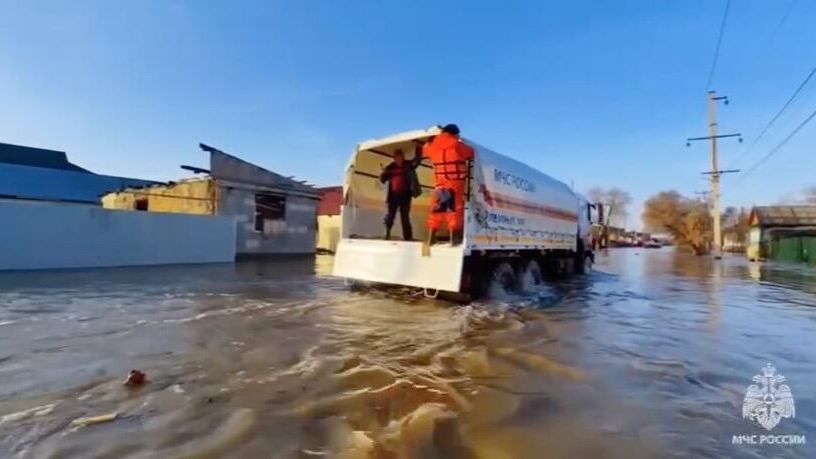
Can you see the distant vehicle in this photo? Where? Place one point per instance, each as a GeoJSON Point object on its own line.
{"type": "Point", "coordinates": [652, 244]}
{"type": "Point", "coordinates": [518, 222]}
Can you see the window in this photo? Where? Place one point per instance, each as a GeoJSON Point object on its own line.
{"type": "Point", "coordinates": [269, 207]}
{"type": "Point", "coordinates": [141, 204]}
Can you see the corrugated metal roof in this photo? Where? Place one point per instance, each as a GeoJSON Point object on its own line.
{"type": "Point", "coordinates": [784, 215]}
{"type": "Point", "coordinates": [26, 182]}
{"type": "Point", "coordinates": [36, 157]}
{"type": "Point", "coordinates": [224, 166]}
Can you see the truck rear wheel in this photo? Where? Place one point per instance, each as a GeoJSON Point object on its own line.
{"type": "Point", "coordinates": [583, 263]}
{"type": "Point", "coordinates": [529, 276]}
{"type": "Point", "coordinates": [502, 280]}
{"type": "Point", "coordinates": [583, 259]}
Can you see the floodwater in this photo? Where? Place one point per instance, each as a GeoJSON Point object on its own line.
{"type": "Point", "coordinates": [648, 356]}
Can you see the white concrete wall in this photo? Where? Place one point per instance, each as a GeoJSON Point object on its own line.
{"type": "Point", "coordinates": [49, 235]}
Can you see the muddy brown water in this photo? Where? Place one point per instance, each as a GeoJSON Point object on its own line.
{"type": "Point", "coordinates": [648, 356]}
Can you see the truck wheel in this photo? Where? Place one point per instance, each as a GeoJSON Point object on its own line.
{"type": "Point", "coordinates": [502, 280]}
{"type": "Point", "coordinates": [529, 276]}
{"type": "Point", "coordinates": [583, 264]}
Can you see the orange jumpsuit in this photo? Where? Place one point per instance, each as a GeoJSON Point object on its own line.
{"type": "Point", "coordinates": [449, 157]}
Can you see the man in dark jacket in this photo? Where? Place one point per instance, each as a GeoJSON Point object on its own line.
{"type": "Point", "coordinates": [403, 186]}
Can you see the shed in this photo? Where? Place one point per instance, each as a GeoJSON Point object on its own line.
{"type": "Point", "coordinates": [783, 233]}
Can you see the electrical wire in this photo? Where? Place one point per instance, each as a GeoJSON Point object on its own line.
{"type": "Point", "coordinates": [784, 19]}
{"type": "Point", "coordinates": [719, 43]}
{"type": "Point", "coordinates": [775, 149]}
{"type": "Point", "coordinates": [776, 117]}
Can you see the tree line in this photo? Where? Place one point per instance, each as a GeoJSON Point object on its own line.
{"type": "Point", "coordinates": [687, 220]}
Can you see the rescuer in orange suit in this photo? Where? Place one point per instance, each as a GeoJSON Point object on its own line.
{"type": "Point", "coordinates": [450, 157]}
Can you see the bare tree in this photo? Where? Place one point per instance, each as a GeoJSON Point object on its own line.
{"type": "Point", "coordinates": [805, 196]}
{"type": "Point", "coordinates": [688, 220]}
{"type": "Point", "coordinates": [743, 226]}
{"type": "Point", "coordinates": [615, 201]}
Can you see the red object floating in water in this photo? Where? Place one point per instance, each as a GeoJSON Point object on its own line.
{"type": "Point", "coordinates": [135, 378]}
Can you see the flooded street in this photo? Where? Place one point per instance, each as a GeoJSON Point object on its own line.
{"type": "Point", "coordinates": [649, 356]}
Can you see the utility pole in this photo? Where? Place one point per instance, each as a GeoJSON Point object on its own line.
{"type": "Point", "coordinates": [715, 172]}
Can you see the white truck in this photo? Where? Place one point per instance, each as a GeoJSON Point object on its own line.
{"type": "Point", "coordinates": [519, 222]}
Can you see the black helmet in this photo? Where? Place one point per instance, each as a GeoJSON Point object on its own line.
{"type": "Point", "coordinates": [451, 129]}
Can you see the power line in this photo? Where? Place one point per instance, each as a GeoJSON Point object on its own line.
{"type": "Point", "coordinates": [777, 147]}
{"type": "Point", "coordinates": [719, 42]}
{"type": "Point", "coordinates": [776, 117]}
{"type": "Point", "coordinates": [784, 18]}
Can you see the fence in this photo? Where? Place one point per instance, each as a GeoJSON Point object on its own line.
{"type": "Point", "coordinates": [49, 235]}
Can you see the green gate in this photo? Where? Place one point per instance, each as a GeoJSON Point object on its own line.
{"type": "Point", "coordinates": [809, 250]}
{"type": "Point", "coordinates": [797, 249]}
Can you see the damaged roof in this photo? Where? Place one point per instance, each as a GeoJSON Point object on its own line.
{"type": "Point", "coordinates": [224, 166]}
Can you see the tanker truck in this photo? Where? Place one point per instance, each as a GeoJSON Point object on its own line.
{"type": "Point", "coordinates": [518, 224]}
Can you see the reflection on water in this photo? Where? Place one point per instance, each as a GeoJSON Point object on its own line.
{"type": "Point", "coordinates": [649, 356]}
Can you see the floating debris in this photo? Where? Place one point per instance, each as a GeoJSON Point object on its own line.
{"type": "Point", "coordinates": [135, 378]}
{"type": "Point", "coordinates": [93, 420]}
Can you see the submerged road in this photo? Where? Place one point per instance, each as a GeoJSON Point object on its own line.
{"type": "Point", "coordinates": [649, 356]}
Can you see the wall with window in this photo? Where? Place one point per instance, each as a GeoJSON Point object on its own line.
{"type": "Point", "coordinates": [270, 209]}
{"type": "Point", "coordinates": [269, 222]}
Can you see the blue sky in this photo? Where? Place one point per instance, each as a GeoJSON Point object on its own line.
{"type": "Point", "coordinates": [593, 92]}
